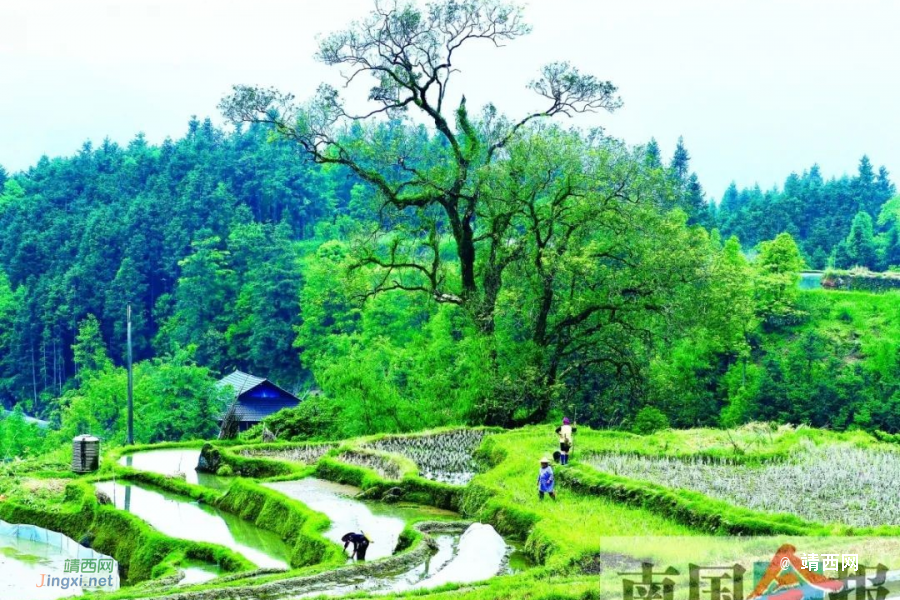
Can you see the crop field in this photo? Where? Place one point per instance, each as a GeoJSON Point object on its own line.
{"type": "Point", "coordinates": [448, 456]}
{"type": "Point", "coordinates": [838, 483]}
{"type": "Point", "coordinates": [384, 466]}
{"type": "Point", "coordinates": [303, 454]}
{"type": "Point", "coordinates": [577, 544]}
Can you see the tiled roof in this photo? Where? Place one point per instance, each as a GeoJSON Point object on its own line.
{"type": "Point", "coordinates": [241, 382]}
{"type": "Point", "coordinates": [263, 402]}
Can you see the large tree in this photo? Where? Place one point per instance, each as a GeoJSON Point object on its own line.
{"type": "Point", "coordinates": [858, 249]}
{"type": "Point", "coordinates": [410, 53]}
{"type": "Point", "coordinates": [555, 242]}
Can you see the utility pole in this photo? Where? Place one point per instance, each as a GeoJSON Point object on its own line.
{"type": "Point", "coordinates": [130, 380]}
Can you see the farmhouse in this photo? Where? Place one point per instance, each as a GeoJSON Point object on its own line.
{"type": "Point", "coordinates": [255, 398]}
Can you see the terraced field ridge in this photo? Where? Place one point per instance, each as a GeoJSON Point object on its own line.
{"type": "Point", "coordinates": [454, 514]}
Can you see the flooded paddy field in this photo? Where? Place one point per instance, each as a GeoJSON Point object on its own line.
{"type": "Point", "coordinates": [180, 517]}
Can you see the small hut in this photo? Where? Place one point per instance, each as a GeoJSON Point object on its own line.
{"type": "Point", "coordinates": [255, 398]}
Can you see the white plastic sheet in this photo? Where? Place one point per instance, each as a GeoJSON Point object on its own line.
{"type": "Point", "coordinates": [48, 552]}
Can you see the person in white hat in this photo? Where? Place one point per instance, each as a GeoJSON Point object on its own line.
{"type": "Point", "coordinates": [546, 484]}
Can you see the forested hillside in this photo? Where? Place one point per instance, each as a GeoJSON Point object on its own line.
{"type": "Point", "coordinates": [236, 251]}
{"type": "Point", "coordinates": [471, 268]}
{"type": "Point", "coordinates": [843, 222]}
{"type": "Point", "coordinates": [200, 235]}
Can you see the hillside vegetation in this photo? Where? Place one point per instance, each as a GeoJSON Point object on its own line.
{"type": "Point", "coordinates": [426, 264]}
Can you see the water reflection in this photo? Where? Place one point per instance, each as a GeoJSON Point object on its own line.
{"type": "Point", "coordinates": [811, 280]}
{"type": "Point", "coordinates": [181, 518]}
{"type": "Point", "coordinates": [381, 522]}
{"type": "Point", "coordinates": [173, 461]}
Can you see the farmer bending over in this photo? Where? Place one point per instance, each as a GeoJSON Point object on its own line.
{"type": "Point", "coordinates": [360, 544]}
{"type": "Point", "coordinates": [545, 480]}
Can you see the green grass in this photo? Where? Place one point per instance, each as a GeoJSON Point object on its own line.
{"type": "Point", "coordinates": [142, 552]}
{"type": "Point", "coordinates": [564, 530]}
{"type": "Point", "coordinates": [752, 443]}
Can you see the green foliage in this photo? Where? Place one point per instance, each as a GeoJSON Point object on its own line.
{"type": "Point", "coordinates": [819, 214]}
{"type": "Point", "coordinates": [858, 249]}
{"type": "Point", "coordinates": [89, 350]}
{"type": "Point", "coordinates": [837, 369]}
{"type": "Point", "coordinates": [316, 418]}
{"type": "Point", "coordinates": [197, 234]}
{"type": "Point", "coordinates": [649, 420]}
{"type": "Point", "coordinates": [174, 399]}
{"type": "Point", "coordinates": [391, 364]}
{"type": "Point", "coordinates": [471, 268]}
{"type": "Point", "coordinates": [777, 286]}
{"type": "Point", "coordinates": [19, 438]}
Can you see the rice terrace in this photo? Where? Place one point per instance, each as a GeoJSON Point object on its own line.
{"type": "Point", "coordinates": [449, 300]}
{"type": "Point", "coordinates": [284, 506]}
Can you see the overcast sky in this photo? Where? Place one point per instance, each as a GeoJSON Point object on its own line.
{"type": "Point", "coordinates": [758, 88]}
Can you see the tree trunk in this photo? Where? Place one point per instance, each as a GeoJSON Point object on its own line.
{"type": "Point", "coordinates": [465, 243]}
{"type": "Point", "coordinates": [540, 325]}
{"type": "Point", "coordinates": [485, 314]}
{"type": "Point", "coordinates": [33, 372]}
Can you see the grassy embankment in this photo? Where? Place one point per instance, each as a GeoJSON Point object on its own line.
{"type": "Point", "coordinates": [565, 536]}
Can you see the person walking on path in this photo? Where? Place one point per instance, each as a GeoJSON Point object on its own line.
{"type": "Point", "coordinates": [546, 484]}
{"type": "Point", "coordinates": [360, 543]}
{"type": "Point", "coordinates": [565, 433]}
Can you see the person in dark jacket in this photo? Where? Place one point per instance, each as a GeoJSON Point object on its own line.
{"type": "Point", "coordinates": [360, 544]}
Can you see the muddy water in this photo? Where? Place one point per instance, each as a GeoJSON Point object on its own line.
{"type": "Point", "coordinates": [480, 553]}
{"type": "Point", "coordinates": [476, 556]}
{"type": "Point", "coordinates": [182, 518]}
{"type": "Point", "coordinates": [381, 522]}
{"type": "Point", "coordinates": [173, 461]}
{"type": "Point", "coordinates": [390, 582]}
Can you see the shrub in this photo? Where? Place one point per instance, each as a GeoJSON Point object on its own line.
{"type": "Point", "coordinates": [649, 420]}
{"type": "Point", "coordinates": [313, 419]}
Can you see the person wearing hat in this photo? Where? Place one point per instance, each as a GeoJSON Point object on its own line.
{"type": "Point", "coordinates": [360, 543]}
{"type": "Point", "coordinates": [546, 484]}
{"type": "Point", "coordinates": [565, 432]}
